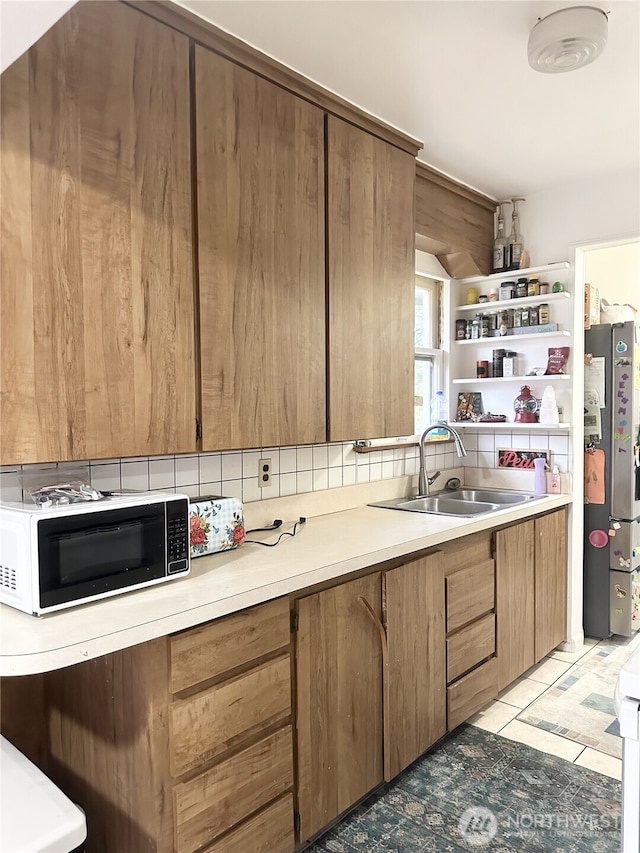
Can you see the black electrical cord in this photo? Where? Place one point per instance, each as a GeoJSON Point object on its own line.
{"type": "Point", "coordinates": [276, 524]}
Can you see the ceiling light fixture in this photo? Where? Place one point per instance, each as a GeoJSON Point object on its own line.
{"type": "Point", "coordinates": [567, 39]}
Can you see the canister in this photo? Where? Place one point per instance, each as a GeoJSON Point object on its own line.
{"type": "Point", "coordinates": [498, 357]}
{"type": "Point", "coordinates": [482, 369]}
{"type": "Point", "coordinates": [507, 289]}
{"type": "Point", "coordinates": [510, 363]}
{"type": "Point", "coordinates": [461, 326]}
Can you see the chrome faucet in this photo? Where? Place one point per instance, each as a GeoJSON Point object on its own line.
{"type": "Point", "coordinates": [423, 480]}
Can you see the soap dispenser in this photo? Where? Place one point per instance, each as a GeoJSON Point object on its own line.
{"type": "Point", "coordinates": [540, 478]}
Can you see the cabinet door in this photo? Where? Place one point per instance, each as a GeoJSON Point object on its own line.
{"type": "Point", "coordinates": [339, 701]}
{"type": "Point", "coordinates": [370, 186]}
{"type": "Point", "coordinates": [260, 167]}
{"type": "Point", "coordinates": [415, 690]}
{"type": "Point", "coordinates": [97, 270]}
{"type": "Point", "coordinates": [551, 582]}
{"type": "Point", "coordinates": [515, 602]}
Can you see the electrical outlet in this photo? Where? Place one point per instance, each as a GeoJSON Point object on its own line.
{"type": "Point", "coordinates": [264, 473]}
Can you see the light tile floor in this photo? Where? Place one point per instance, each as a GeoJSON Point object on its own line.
{"type": "Point", "coordinates": [500, 716]}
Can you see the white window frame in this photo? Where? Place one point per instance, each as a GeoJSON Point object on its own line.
{"type": "Point", "coordinates": [439, 356]}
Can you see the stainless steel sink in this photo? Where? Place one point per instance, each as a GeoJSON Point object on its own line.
{"type": "Point", "coordinates": [496, 496]}
{"type": "Point", "coordinates": [463, 503]}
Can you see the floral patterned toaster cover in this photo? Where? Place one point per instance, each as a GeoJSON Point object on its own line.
{"type": "Point", "coordinates": [216, 524]}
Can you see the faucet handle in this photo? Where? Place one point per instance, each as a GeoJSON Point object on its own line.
{"type": "Point", "coordinates": [431, 480]}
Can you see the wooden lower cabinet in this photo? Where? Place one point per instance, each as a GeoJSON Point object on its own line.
{"type": "Point", "coordinates": [207, 767]}
{"type": "Point", "coordinates": [531, 592]}
{"type": "Point", "coordinates": [339, 700]}
{"type": "Point", "coordinates": [371, 691]}
{"type": "Point", "coordinates": [415, 686]}
{"type": "Point", "coordinates": [472, 668]}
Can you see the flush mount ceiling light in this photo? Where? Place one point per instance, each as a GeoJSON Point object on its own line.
{"type": "Point", "coordinates": [567, 39]}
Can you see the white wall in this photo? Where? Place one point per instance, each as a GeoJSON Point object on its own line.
{"type": "Point", "coordinates": [23, 23]}
{"type": "Point", "coordinates": [615, 271]}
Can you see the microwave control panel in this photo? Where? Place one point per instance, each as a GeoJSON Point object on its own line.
{"type": "Point", "coordinates": [177, 536]}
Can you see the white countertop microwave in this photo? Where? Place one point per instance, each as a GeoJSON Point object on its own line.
{"type": "Point", "coordinates": [61, 556]}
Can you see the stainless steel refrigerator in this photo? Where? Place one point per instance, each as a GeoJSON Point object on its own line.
{"type": "Point", "coordinates": [612, 480]}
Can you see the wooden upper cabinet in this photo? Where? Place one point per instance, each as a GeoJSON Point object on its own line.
{"type": "Point", "coordinates": [98, 352]}
{"type": "Point", "coordinates": [260, 185]}
{"type": "Point", "coordinates": [371, 292]}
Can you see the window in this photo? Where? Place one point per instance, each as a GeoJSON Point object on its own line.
{"type": "Point", "coordinates": [428, 348]}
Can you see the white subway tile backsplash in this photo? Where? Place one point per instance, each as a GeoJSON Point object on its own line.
{"type": "Point", "coordinates": [107, 477]}
{"type": "Point", "coordinates": [288, 461]}
{"type": "Point", "coordinates": [387, 468]}
{"type": "Point", "coordinates": [187, 473]}
{"type": "Point", "coordinates": [320, 479]}
{"type": "Point", "coordinates": [232, 467]}
{"type": "Point", "coordinates": [250, 459]}
{"type": "Point", "coordinates": [349, 475]}
{"type": "Point", "coordinates": [251, 491]}
{"type": "Point", "coordinates": [162, 473]}
{"type": "Point", "coordinates": [288, 484]}
{"type": "Point", "coordinates": [486, 442]}
{"type": "Point", "coordinates": [519, 441]}
{"type": "Point", "coordinates": [232, 489]}
{"type": "Point", "coordinates": [362, 475]}
{"type": "Point", "coordinates": [335, 477]}
{"type": "Point", "coordinates": [335, 455]}
{"type": "Point", "coordinates": [135, 475]}
{"type": "Point", "coordinates": [375, 471]}
{"type": "Point", "coordinates": [320, 456]}
{"type": "Point", "coordinates": [210, 467]}
{"type": "Point", "coordinates": [486, 459]}
{"type": "Point", "coordinates": [348, 454]}
{"type": "Point", "coordinates": [559, 444]}
{"type": "Point", "coordinates": [304, 482]}
{"type": "Point", "coordinates": [304, 460]}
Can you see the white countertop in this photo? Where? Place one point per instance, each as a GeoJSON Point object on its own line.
{"type": "Point", "coordinates": [326, 547]}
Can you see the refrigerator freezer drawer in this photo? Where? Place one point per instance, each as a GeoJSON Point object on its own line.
{"type": "Point", "coordinates": [624, 602]}
{"type": "Point", "coordinates": [624, 547]}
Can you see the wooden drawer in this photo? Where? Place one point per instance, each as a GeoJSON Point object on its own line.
{"type": "Point", "coordinates": [270, 831]}
{"type": "Point", "coordinates": [210, 722]}
{"type": "Point", "coordinates": [471, 693]}
{"type": "Point", "coordinates": [228, 643]}
{"type": "Point", "coordinates": [470, 646]}
{"type": "Point", "coordinates": [216, 801]}
{"type": "Point", "coordinates": [470, 594]}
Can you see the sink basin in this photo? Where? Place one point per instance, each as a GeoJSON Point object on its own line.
{"type": "Point", "coordinates": [496, 496]}
{"type": "Point", "coordinates": [446, 506]}
{"type": "Point", "coordinates": [462, 503]}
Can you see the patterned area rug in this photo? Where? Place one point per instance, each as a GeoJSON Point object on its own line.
{"type": "Point", "coordinates": [477, 790]}
{"type": "Point", "coordinates": [580, 706]}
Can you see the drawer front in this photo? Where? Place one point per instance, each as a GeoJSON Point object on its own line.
{"type": "Point", "coordinates": [210, 722]}
{"type": "Point", "coordinates": [470, 646]}
{"type": "Point", "coordinates": [470, 594]}
{"type": "Point", "coordinates": [206, 652]}
{"type": "Point", "coordinates": [217, 800]}
{"type": "Point", "coordinates": [271, 831]}
{"type": "Point", "coordinates": [471, 693]}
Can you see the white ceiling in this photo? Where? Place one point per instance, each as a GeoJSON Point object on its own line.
{"type": "Point", "coordinates": [454, 73]}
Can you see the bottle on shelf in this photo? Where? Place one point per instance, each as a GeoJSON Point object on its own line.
{"type": "Point", "coordinates": [540, 477]}
{"type": "Point", "coordinates": [515, 238]}
{"type": "Point", "coordinates": [555, 481]}
{"type": "Point", "coordinates": [439, 414]}
{"type": "Point", "coordinates": [500, 245]}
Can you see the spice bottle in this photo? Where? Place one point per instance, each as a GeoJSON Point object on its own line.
{"type": "Point", "coordinates": [533, 288]}
{"type": "Point", "coordinates": [521, 288]}
{"type": "Point", "coordinates": [543, 314]}
{"type": "Point", "coordinates": [461, 326]}
{"type": "Point", "coordinates": [510, 363]}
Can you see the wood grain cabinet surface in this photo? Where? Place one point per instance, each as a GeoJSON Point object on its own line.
{"type": "Point", "coordinates": [98, 349]}
{"type": "Point", "coordinates": [207, 768]}
{"type": "Point", "coordinates": [470, 580]}
{"type": "Point", "coordinates": [370, 694]}
{"type": "Point", "coordinates": [531, 592]}
{"type": "Point", "coordinates": [260, 176]}
{"type": "Point", "coordinates": [370, 243]}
